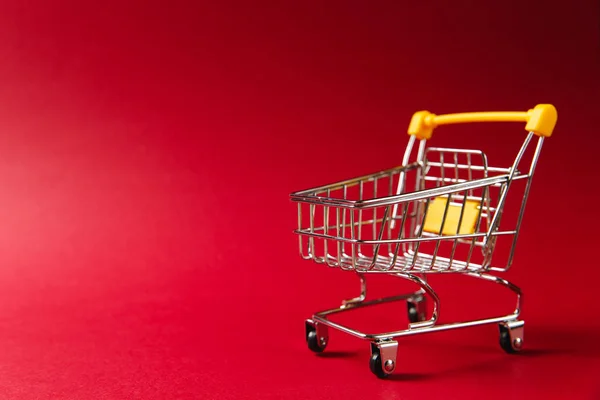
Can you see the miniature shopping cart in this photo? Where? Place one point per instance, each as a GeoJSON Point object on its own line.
{"type": "Point", "coordinates": [443, 210]}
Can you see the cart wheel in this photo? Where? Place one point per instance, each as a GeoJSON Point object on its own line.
{"type": "Point", "coordinates": [416, 309]}
{"type": "Point", "coordinates": [313, 342]}
{"type": "Point", "coordinates": [376, 367]}
{"type": "Point", "coordinates": [316, 343]}
{"type": "Point", "coordinates": [511, 336]}
{"type": "Point", "coordinates": [383, 358]}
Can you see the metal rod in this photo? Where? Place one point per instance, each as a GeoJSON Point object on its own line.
{"type": "Point", "coordinates": [534, 162]}
{"type": "Point", "coordinates": [419, 195]}
{"type": "Point", "coordinates": [405, 240]}
{"type": "Point", "coordinates": [504, 189]}
{"type": "Point", "coordinates": [415, 331]}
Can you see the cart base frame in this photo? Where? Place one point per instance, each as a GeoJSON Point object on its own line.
{"type": "Point", "coordinates": [384, 347]}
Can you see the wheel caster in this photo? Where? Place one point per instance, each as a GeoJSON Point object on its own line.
{"type": "Point", "coordinates": [383, 358]}
{"type": "Point", "coordinates": [316, 336]}
{"type": "Point", "coordinates": [511, 336]}
{"type": "Point", "coordinates": [417, 309]}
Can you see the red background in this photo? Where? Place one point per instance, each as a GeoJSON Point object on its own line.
{"type": "Point", "coordinates": [147, 150]}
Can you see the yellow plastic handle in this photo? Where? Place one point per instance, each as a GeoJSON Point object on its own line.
{"type": "Point", "coordinates": [541, 120]}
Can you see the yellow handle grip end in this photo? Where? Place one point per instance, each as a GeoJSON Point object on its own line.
{"type": "Point", "coordinates": [420, 125]}
{"type": "Point", "coordinates": [542, 120]}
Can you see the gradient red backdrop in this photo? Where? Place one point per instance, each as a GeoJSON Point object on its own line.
{"type": "Point", "coordinates": [147, 150]}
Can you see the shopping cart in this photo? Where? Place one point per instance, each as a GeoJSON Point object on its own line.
{"type": "Point", "coordinates": [449, 223]}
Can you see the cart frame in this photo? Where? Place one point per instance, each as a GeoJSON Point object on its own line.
{"type": "Point", "coordinates": [352, 234]}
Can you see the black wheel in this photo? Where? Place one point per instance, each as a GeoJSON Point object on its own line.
{"type": "Point", "coordinates": [375, 365]}
{"type": "Point", "coordinates": [314, 344]}
{"type": "Point", "coordinates": [505, 340]}
{"type": "Point", "coordinates": [413, 312]}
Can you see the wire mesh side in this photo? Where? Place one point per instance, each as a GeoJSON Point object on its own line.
{"type": "Point", "coordinates": [397, 235]}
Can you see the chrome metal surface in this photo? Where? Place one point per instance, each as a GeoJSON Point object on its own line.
{"type": "Point", "coordinates": [428, 325]}
{"type": "Point", "coordinates": [515, 330]}
{"type": "Point", "coordinates": [358, 299]}
{"type": "Point", "coordinates": [388, 350]}
{"type": "Point", "coordinates": [376, 224]}
{"type": "Point", "coordinates": [389, 366]}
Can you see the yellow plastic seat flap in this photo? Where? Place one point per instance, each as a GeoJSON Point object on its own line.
{"type": "Point", "coordinates": [435, 215]}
